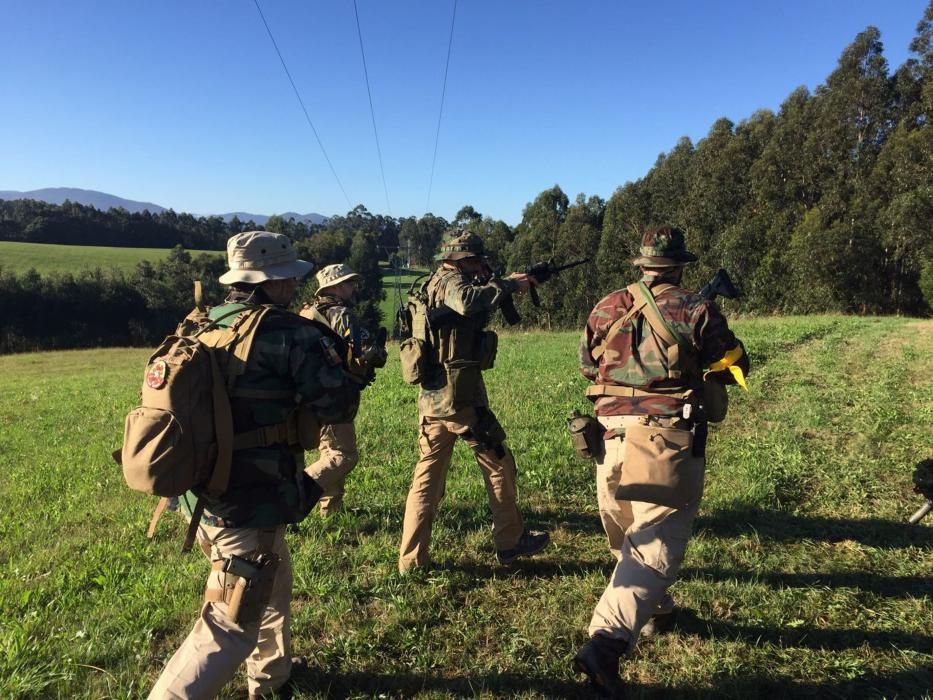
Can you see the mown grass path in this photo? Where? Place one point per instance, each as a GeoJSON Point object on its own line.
{"type": "Point", "coordinates": [803, 580]}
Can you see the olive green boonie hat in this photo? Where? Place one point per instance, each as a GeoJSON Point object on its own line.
{"type": "Point", "coordinates": [663, 246]}
{"type": "Point", "coordinates": [460, 244]}
{"type": "Point", "coordinates": [332, 275]}
{"type": "Point", "coordinates": [258, 256]}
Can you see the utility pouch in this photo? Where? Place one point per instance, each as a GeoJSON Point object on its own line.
{"type": "Point", "coordinates": [309, 429]}
{"type": "Point", "coordinates": [464, 380]}
{"type": "Point", "coordinates": [413, 356]}
{"type": "Point", "coordinates": [586, 434]}
{"type": "Point", "coordinates": [715, 399]}
{"type": "Point", "coordinates": [658, 466]}
{"type": "Point", "coordinates": [488, 347]}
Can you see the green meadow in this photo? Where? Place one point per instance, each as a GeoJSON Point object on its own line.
{"type": "Point", "coordinates": [49, 257]}
{"type": "Point", "coordinates": [803, 578]}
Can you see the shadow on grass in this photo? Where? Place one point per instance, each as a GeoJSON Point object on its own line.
{"type": "Point", "coordinates": [776, 526]}
{"type": "Point", "coordinates": [914, 683]}
{"type": "Point", "coordinates": [890, 586]}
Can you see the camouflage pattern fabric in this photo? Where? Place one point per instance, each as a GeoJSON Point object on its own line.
{"type": "Point", "coordinates": [268, 486]}
{"type": "Point", "coordinates": [636, 356]}
{"type": "Point", "coordinates": [367, 355]}
{"type": "Point", "coordinates": [457, 382]}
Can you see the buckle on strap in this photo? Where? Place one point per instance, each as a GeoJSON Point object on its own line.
{"type": "Point", "coordinates": [279, 434]}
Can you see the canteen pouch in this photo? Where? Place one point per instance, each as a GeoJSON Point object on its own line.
{"type": "Point", "coordinates": [413, 357]}
{"type": "Point", "coordinates": [488, 347]}
{"type": "Point", "coordinates": [586, 435]}
{"type": "Point", "coordinates": [658, 466]}
{"type": "Point", "coordinates": [715, 399]}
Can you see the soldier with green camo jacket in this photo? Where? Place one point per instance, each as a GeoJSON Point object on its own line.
{"type": "Point", "coordinates": [658, 355]}
{"type": "Point", "coordinates": [338, 289]}
{"type": "Point", "coordinates": [452, 403]}
{"type": "Point", "coordinates": [294, 381]}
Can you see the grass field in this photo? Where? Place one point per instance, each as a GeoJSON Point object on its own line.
{"type": "Point", "coordinates": [48, 257]}
{"type": "Point", "coordinates": [803, 579]}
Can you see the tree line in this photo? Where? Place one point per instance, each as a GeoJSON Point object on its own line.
{"type": "Point", "coordinates": [824, 206]}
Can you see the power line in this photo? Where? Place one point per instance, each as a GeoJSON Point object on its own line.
{"type": "Point", "coordinates": [372, 111]}
{"type": "Point", "coordinates": [301, 102]}
{"type": "Point", "coordinates": [437, 135]}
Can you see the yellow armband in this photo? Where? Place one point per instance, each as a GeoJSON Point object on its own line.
{"type": "Point", "coordinates": [728, 362]}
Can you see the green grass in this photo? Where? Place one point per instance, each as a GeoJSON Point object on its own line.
{"type": "Point", "coordinates": [803, 579]}
{"type": "Point", "coordinates": [396, 289]}
{"type": "Point", "coordinates": [48, 257]}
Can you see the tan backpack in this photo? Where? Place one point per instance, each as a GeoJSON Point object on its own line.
{"type": "Point", "coordinates": [181, 434]}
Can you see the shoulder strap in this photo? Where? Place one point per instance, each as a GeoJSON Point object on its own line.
{"type": "Point", "coordinates": [613, 330]}
{"type": "Point", "coordinates": [641, 293]}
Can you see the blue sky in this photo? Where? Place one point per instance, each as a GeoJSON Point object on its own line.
{"type": "Point", "coordinates": [185, 104]}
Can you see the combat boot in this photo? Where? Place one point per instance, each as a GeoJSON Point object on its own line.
{"type": "Point", "coordinates": [599, 660]}
{"type": "Point", "coordinates": [530, 543]}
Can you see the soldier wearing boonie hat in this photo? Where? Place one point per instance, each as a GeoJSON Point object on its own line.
{"type": "Point", "coordinates": [647, 349]}
{"type": "Point", "coordinates": [338, 287]}
{"type": "Point", "coordinates": [242, 531]}
{"type": "Point", "coordinates": [453, 404]}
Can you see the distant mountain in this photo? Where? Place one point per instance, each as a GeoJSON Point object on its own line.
{"type": "Point", "coordinates": [89, 198]}
{"type": "Point", "coordinates": [104, 201]}
{"type": "Point", "coordinates": [262, 218]}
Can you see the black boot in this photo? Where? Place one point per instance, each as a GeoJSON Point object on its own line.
{"type": "Point", "coordinates": [660, 623]}
{"type": "Point", "coordinates": [599, 660]}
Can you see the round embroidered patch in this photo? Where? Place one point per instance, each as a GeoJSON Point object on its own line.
{"type": "Point", "coordinates": [156, 374]}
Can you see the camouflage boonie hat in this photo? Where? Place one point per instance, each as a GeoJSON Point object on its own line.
{"type": "Point", "coordinates": [332, 275]}
{"type": "Point", "coordinates": [460, 244]}
{"type": "Point", "coordinates": [663, 246]}
{"type": "Point", "coordinates": [258, 256]}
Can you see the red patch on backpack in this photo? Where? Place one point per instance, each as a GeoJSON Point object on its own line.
{"type": "Point", "coordinates": [157, 374]}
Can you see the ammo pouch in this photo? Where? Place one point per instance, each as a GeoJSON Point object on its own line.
{"type": "Point", "coordinates": [247, 586]}
{"type": "Point", "coordinates": [715, 399]}
{"type": "Point", "coordinates": [586, 434]}
{"type": "Point", "coordinates": [488, 347]}
{"type": "Point", "coordinates": [413, 354]}
{"type": "Point", "coordinates": [658, 466]}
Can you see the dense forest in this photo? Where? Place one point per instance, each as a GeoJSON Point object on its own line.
{"type": "Point", "coordinates": [826, 205]}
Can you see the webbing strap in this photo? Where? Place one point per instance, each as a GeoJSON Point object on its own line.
{"type": "Point", "coordinates": [193, 525]}
{"type": "Point", "coordinates": [279, 434]}
{"type": "Point", "coordinates": [156, 514]}
{"type": "Point", "coordinates": [262, 394]}
{"type": "Point", "coordinates": [643, 297]}
{"type": "Point", "coordinates": [223, 430]}
{"type": "Point", "coordinates": [632, 392]}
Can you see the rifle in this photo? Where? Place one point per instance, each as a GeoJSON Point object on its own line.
{"type": "Point", "coordinates": [542, 272]}
{"type": "Point", "coordinates": [720, 285]}
{"type": "Point", "coordinates": [923, 484]}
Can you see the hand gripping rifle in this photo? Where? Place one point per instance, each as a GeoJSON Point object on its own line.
{"type": "Point", "coordinates": [542, 272]}
{"type": "Point", "coordinates": [923, 484]}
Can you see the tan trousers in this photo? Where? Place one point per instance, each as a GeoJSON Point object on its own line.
{"type": "Point", "coordinates": [338, 456]}
{"type": "Point", "coordinates": [215, 647]}
{"type": "Point", "coordinates": [436, 446]}
{"type": "Point", "coordinates": [648, 540]}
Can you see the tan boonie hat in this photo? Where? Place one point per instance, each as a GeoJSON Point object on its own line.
{"type": "Point", "coordinates": [459, 244]}
{"type": "Point", "coordinates": [663, 246]}
{"type": "Point", "coordinates": [332, 275]}
{"type": "Point", "coordinates": [257, 256]}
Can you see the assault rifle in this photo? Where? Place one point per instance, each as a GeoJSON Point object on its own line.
{"type": "Point", "coordinates": [923, 484]}
{"type": "Point", "coordinates": [720, 285]}
{"type": "Point", "coordinates": [542, 272]}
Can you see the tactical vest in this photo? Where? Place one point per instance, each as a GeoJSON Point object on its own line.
{"type": "Point", "coordinates": [460, 341]}
{"type": "Point", "coordinates": [672, 372]}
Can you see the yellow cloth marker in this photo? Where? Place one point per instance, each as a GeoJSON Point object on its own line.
{"type": "Point", "coordinates": [728, 362]}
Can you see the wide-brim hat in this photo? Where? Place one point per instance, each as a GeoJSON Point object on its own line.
{"type": "Point", "coordinates": [459, 244]}
{"type": "Point", "coordinates": [663, 246]}
{"type": "Point", "coordinates": [259, 256]}
{"type": "Point", "coordinates": [332, 275]}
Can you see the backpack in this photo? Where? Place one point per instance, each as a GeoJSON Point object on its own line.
{"type": "Point", "coordinates": [181, 435]}
{"type": "Point", "coordinates": [415, 334]}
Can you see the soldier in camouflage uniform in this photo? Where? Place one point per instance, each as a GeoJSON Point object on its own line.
{"type": "Point", "coordinates": [645, 348]}
{"type": "Point", "coordinates": [338, 287]}
{"type": "Point", "coordinates": [452, 403]}
{"type": "Point", "coordinates": [293, 369]}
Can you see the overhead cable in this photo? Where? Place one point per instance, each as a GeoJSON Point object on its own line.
{"type": "Point", "coordinates": [372, 111]}
{"type": "Point", "coordinates": [437, 135]}
{"type": "Point", "coordinates": [301, 102]}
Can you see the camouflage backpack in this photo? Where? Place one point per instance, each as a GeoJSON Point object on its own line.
{"type": "Point", "coordinates": [415, 334]}
{"type": "Point", "coordinates": [181, 434]}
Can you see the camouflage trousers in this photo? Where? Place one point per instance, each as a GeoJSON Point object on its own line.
{"type": "Point", "coordinates": [216, 646]}
{"type": "Point", "coordinates": [436, 445]}
{"type": "Point", "coordinates": [338, 456]}
{"type": "Point", "coordinates": [648, 540]}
